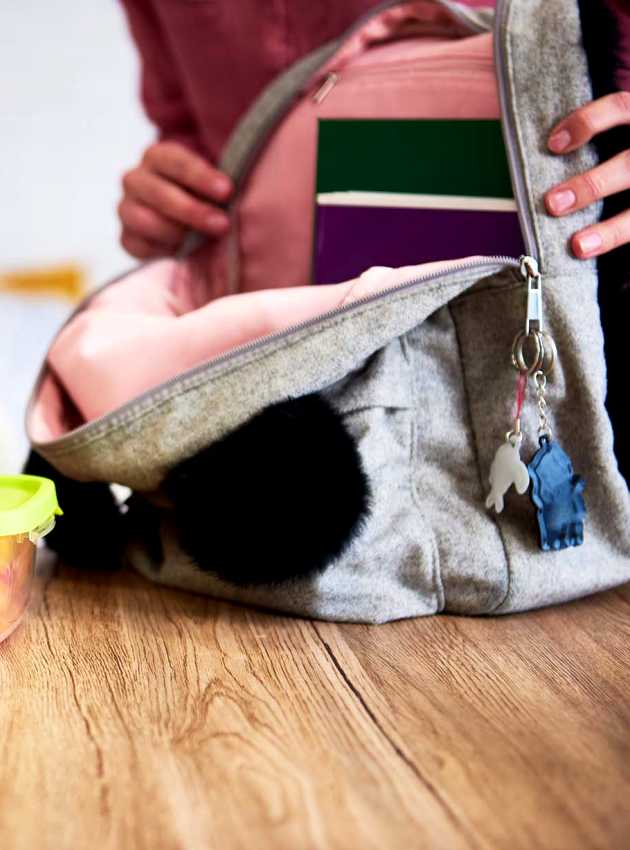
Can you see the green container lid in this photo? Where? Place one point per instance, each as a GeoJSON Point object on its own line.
{"type": "Point", "coordinates": [27, 504]}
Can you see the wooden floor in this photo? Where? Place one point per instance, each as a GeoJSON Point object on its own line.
{"type": "Point", "coordinates": [134, 717]}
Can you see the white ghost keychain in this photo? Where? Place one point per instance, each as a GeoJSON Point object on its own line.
{"type": "Point", "coordinates": [507, 467]}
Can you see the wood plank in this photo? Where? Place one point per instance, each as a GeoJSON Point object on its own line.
{"type": "Point", "coordinates": [521, 723]}
{"type": "Point", "coordinates": [133, 716]}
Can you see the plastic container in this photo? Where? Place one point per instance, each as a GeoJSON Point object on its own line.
{"type": "Point", "coordinates": [28, 507]}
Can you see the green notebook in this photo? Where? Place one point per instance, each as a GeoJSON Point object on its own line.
{"type": "Point", "coordinates": [427, 156]}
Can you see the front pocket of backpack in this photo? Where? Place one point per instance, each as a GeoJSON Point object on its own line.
{"type": "Point", "coordinates": [394, 554]}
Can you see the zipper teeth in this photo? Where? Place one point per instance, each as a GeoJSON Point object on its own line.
{"type": "Point", "coordinates": [475, 62]}
{"type": "Point", "coordinates": [508, 125]}
{"type": "Point", "coordinates": [346, 71]}
{"type": "Point", "coordinates": [347, 308]}
{"type": "Point", "coordinates": [260, 342]}
{"type": "Point", "coordinates": [401, 69]}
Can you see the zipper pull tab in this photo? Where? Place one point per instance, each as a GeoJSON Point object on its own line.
{"type": "Point", "coordinates": [533, 341]}
{"type": "Point", "coordinates": [529, 270]}
{"type": "Point", "coordinates": [330, 81]}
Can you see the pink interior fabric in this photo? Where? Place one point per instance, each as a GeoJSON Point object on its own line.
{"type": "Point", "coordinates": [431, 78]}
{"type": "Point", "coordinates": [169, 316]}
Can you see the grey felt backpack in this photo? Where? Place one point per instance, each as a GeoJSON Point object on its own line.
{"type": "Point", "coordinates": [340, 469]}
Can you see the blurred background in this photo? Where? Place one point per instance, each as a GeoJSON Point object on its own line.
{"type": "Point", "coordinates": [70, 124]}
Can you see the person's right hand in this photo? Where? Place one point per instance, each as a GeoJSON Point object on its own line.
{"type": "Point", "coordinates": [170, 192]}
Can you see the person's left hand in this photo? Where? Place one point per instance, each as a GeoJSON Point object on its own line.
{"type": "Point", "coordinates": [605, 179]}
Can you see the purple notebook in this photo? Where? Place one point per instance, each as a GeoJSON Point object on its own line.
{"type": "Point", "coordinates": [366, 229]}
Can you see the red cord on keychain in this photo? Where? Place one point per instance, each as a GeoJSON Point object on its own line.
{"type": "Point", "coordinates": [521, 392]}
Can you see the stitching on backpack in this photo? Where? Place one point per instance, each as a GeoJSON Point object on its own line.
{"type": "Point", "coordinates": [471, 421]}
{"type": "Point", "coordinates": [436, 572]}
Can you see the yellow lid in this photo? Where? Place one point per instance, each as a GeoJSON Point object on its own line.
{"type": "Point", "coordinates": [27, 503]}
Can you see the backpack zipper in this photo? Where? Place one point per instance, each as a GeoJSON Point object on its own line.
{"type": "Point", "coordinates": [393, 71]}
{"type": "Point", "coordinates": [486, 265]}
{"type": "Point", "coordinates": [330, 81]}
{"type": "Point", "coordinates": [508, 125]}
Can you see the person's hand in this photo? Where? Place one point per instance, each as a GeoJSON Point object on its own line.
{"type": "Point", "coordinates": [605, 179]}
{"type": "Point", "coordinates": [170, 192]}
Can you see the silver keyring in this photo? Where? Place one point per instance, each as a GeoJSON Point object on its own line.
{"type": "Point", "coordinates": [518, 355]}
{"type": "Point", "coordinates": [545, 354]}
{"type": "Point", "coordinates": [550, 353]}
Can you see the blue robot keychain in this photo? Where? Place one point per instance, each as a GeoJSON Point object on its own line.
{"type": "Point", "coordinates": [556, 490]}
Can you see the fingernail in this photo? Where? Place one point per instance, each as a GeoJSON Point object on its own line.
{"type": "Point", "coordinates": [217, 223]}
{"type": "Point", "coordinates": [588, 243]}
{"type": "Point", "coordinates": [222, 185]}
{"type": "Point", "coordinates": [562, 200]}
{"type": "Point", "coordinates": [559, 141]}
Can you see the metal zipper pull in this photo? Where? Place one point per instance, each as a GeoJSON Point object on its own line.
{"type": "Point", "coordinates": [529, 270]}
{"type": "Point", "coordinates": [533, 340]}
{"type": "Point", "coordinates": [330, 81]}
{"type": "Point", "coordinates": [539, 344]}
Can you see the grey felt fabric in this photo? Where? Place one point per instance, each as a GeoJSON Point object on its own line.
{"type": "Point", "coordinates": [423, 382]}
{"type": "Point", "coordinates": [548, 78]}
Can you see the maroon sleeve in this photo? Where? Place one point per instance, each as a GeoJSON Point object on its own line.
{"type": "Point", "coordinates": [620, 10]}
{"type": "Point", "coordinates": [163, 97]}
